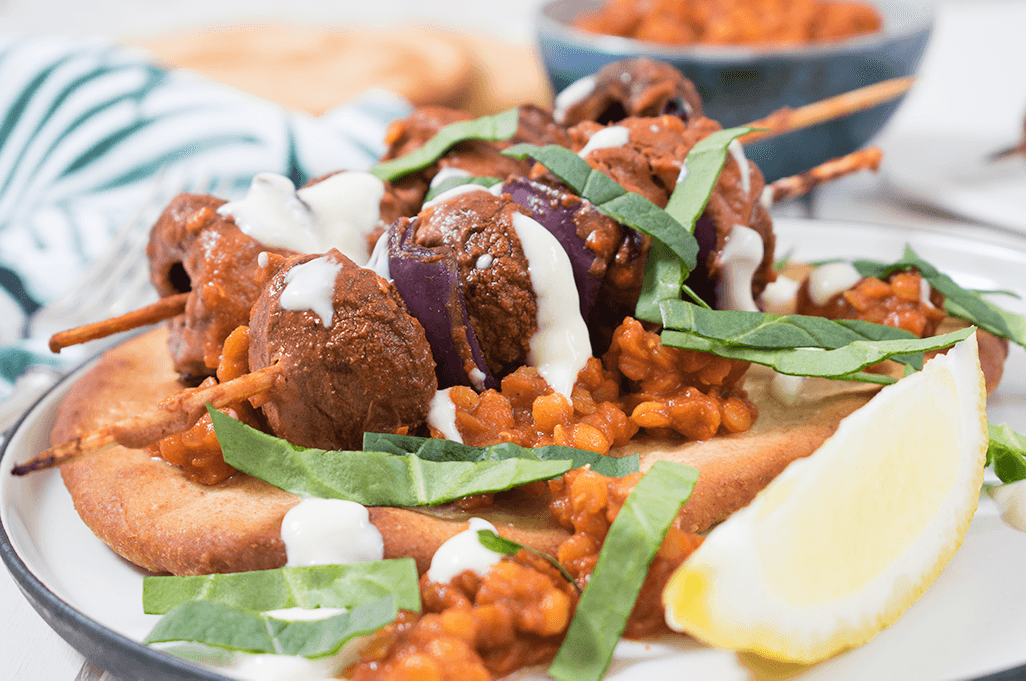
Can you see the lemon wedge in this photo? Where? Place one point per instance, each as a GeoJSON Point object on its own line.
{"type": "Point", "coordinates": [840, 544]}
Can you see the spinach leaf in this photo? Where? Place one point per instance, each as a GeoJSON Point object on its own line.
{"type": "Point", "coordinates": [496, 128]}
{"type": "Point", "coordinates": [508, 547]}
{"type": "Point", "coordinates": [613, 200]}
{"type": "Point", "coordinates": [1007, 453]}
{"type": "Point", "coordinates": [844, 363]}
{"type": "Point", "coordinates": [316, 586]}
{"type": "Point", "coordinates": [224, 626]}
{"type": "Point", "coordinates": [664, 276]}
{"type": "Point", "coordinates": [435, 449]}
{"type": "Point", "coordinates": [631, 544]}
{"type": "Point", "coordinates": [702, 168]}
{"type": "Point", "coordinates": [959, 302]}
{"type": "Point", "coordinates": [760, 330]}
{"type": "Point", "coordinates": [370, 478]}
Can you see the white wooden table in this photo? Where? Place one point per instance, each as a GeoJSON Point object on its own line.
{"type": "Point", "coordinates": [973, 78]}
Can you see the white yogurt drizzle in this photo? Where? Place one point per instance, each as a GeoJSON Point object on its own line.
{"type": "Point", "coordinates": [561, 346]}
{"type": "Point", "coordinates": [682, 174]}
{"type": "Point", "coordinates": [780, 296]}
{"type": "Point", "coordinates": [787, 389]}
{"type": "Point", "coordinates": [1011, 500]}
{"type": "Point", "coordinates": [828, 280]}
{"type": "Point", "coordinates": [445, 174]}
{"type": "Point", "coordinates": [613, 136]}
{"type": "Point", "coordinates": [574, 93]}
{"type": "Point", "coordinates": [738, 153]}
{"type": "Point", "coordinates": [454, 192]}
{"type": "Point", "coordinates": [378, 262]}
{"type": "Point", "coordinates": [329, 532]}
{"type": "Point", "coordinates": [463, 552]}
{"type": "Point", "coordinates": [338, 212]}
{"type": "Point", "coordinates": [442, 416]}
{"type": "Point", "coordinates": [303, 614]}
{"type": "Point", "coordinates": [311, 286]}
{"type": "Point", "coordinates": [766, 198]}
{"type": "Point", "coordinates": [739, 260]}
{"type": "Point", "coordinates": [924, 292]}
{"type": "Point", "coordinates": [289, 667]}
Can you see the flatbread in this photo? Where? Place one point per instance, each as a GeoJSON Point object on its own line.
{"type": "Point", "coordinates": [149, 513]}
{"type": "Point", "coordinates": [314, 69]}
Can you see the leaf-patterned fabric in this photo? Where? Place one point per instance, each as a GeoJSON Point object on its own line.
{"type": "Point", "coordinates": [85, 127]}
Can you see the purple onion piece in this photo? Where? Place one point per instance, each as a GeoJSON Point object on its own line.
{"type": "Point", "coordinates": [700, 281]}
{"type": "Point", "coordinates": [550, 210]}
{"type": "Point", "coordinates": [428, 281]}
{"type": "Point", "coordinates": [677, 106]}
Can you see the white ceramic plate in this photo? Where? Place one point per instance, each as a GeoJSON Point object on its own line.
{"type": "Point", "coordinates": [956, 176]}
{"type": "Point", "coordinates": [969, 624]}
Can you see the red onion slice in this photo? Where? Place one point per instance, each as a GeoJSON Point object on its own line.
{"type": "Point", "coordinates": [550, 209]}
{"type": "Point", "coordinates": [428, 281]}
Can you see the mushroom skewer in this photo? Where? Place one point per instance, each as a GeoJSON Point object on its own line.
{"type": "Point", "coordinates": [328, 376]}
{"type": "Point", "coordinates": [171, 306]}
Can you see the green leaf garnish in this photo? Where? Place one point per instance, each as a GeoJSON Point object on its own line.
{"type": "Point", "coordinates": [959, 302]}
{"type": "Point", "coordinates": [496, 128]}
{"type": "Point", "coordinates": [613, 200]}
{"type": "Point", "coordinates": [508, 547]}
{"type": "Point", "coordinates": [762, 330]}
{"type": "Point", "coordinates": [1015, 323]}
{"type": "Point", "coordinates": [702, 168]}
{"type": "Point", "coordinates": [315, 586]}
{"type": "Point", "coordinates": [995, 292]}
{"type": "Point", "coordinates": [664, 280]}
{"type": "Point", "coordinates": [631, 544]}
{"type": "Point", "coordinates": [224, 626]}
{"type": "Point", "coordinates": [371, 478]}
{"type": "Point", "coordinates": [1007, 453]}
{"type": "Point", "coordinates": [453, 182]}
{"type": "Point", "coordinates": [664, 276]}
{"type": "Point", "coordinates": [781, 263]}
{"type": "Point", "coordinates": [436, 449]}
{"type": "Point", "coordinates": [844, 363]}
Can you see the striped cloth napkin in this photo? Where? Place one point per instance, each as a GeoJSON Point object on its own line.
{"type": "Point", "coordinates": [86, 125]}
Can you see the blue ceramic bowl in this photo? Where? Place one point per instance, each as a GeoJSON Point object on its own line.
{"type": "Point", "coordinates": [739, 85]}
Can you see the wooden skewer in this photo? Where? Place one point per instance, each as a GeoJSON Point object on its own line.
{"type": "Point", "coordinates": [165, 308]}
{"type": "Point", "coordinates": [803, 183]}
{"type": "Point", "coordinates": [787, 119]}
{"type": "Point", "coordinates": [1019, 148]}
{"type": "Point", "coordinates": [1010, 151]}
{"type": "Point", "coordinates": [176, 414]}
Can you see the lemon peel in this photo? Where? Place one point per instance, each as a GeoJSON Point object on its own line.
{"type": "Point", "coordinates": [840, 544]}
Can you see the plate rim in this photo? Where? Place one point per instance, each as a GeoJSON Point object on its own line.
{"type": "Point", "coordinates": [128, 659]}
{"type": "Point", "coordinates": [901, 174]}
{"type": "Point", "coordinates": [111, 651]}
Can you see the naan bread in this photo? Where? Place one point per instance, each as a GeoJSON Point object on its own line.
{"type": "Point", "coordinates": [149, 513]}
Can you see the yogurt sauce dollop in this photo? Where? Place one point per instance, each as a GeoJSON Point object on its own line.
{"type": "Point", "coordinates": [463, 552]}
{"type": "Point", "coordinates": [338, 212]}
{"type": "Point", "coordinates": [330, 532]}
{"type": "Point", "coordinates": [1011, 500]}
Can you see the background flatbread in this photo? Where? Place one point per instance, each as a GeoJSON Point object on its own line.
{"type": "Point", "coordinates": [148, 512]}
{"type": "Point", "coordinates": [314, 68]}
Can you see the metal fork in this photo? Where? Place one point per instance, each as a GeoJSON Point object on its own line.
{"type": "Point", "coordinates": [115, 283]}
